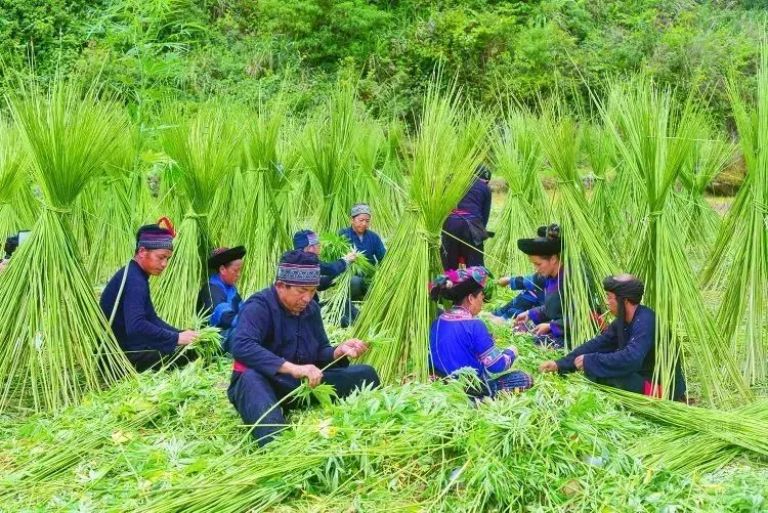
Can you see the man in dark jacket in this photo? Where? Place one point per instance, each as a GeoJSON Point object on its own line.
{"type": "Point", "coordinates": [280, 340]}
{"type": "Point", "coordinates": [146, 339]}
{"type": "Point", "coordinates": [623, 356]}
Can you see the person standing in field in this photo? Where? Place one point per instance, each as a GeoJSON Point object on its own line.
{"type": "Point", "coordinates": [365, 241]}
{"type": "Point", "coordinates": [465, 230]}
{"type": "Point", "coordinates": [219, 297]}
{"type": "Point", "coordinates": [146, 339]}
{"type": "Point", "coordinates": [624, 355]}
{"type": "Point", "coordinates": [280, 340]}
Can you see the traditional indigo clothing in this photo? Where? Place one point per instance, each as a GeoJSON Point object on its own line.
{"type": "Point", "coordinates": [458, 340]}
{"type": "Point", "coordinates": [142, 335]}
{"type": "Point", "coordinates": [532, 295]}
{"type": "Point", "coordinates": [466, 228]}
{"type": "Point", "coordinates": [369, 244]}
{"type": "Point", "coordinates": [329, 271]}
{"type": "Point", "coordinates": [628, 366]}
{"type": "Point", "coordinates": [222, 302]}
{"type": "Point", "coordinates": [267, 336]}
{"type": "Point", "coordinates": [551, 311]}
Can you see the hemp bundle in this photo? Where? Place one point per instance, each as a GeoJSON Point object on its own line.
{"type": "Point", "coordinates": [55, 343]}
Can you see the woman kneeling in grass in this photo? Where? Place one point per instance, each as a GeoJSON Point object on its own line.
{"type": "Point", "coordinates": [458, 339]}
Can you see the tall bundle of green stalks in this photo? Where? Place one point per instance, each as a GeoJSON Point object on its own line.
{"type": "Point", "coordinates": [264, 230]}
{"type": "Point", "coordinates": [743, 315]}
{"type": "Point", "coordinates": [517, 157]}
{"type": "Point", "coordinates": [204, 152]}
{"type": "Point", "coordinates": [336, 299]}
{"type": "Point", "coordinates": [601, 156]}
{"type": "Point", "coordinates": [449, 145]}
{"type": "Point", "coordinates": [15, 208]}
{"type": "Point", "coordinates": [710, 156]}
{"type": "Point", "coordinates": [587, 257]}
{"type": "Point", "coordinates": [122, 196]}
{"type": "Point", "coordinates": [655, 138]}
{"type": "Point", "coordinates": [329, 145]}
{"type": "Point", "coordinates": [55, 343]}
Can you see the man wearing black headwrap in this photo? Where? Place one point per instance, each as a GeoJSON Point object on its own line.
{"type": "Point", "coordinates": [623, 356]}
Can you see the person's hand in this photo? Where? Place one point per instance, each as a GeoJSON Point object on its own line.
{"type": "Point", "coordinates": [350, 257]}
{"type": "Point", "coordinates": [503, 282]}
{"type": "Point", "coordinates": [579, 362]}
{"type": "Point", "coordinates": [548, 366]}
{"type": "Point", "coordinates": [3, 264]}
{"type": "Point", "coordinates": [352, 348]}
{"type": "Point", "coordinates": [312, 373]}
{"type": "Point", "coordinates": [521, 318]}
{"type": "Point", "coordinates": [542, 329]}
{"type": "Point", "coordinates": [187, 337]}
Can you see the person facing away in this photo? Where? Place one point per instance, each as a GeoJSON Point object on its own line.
{"type": "Point", "coordinates": [280, 340]}
{"type": "Point", "coordinates": [624, 355]}
{"type": "Point", "coordinates": [146, 339]}
{"type": "Point", "coordinates": [459, 340]}
{"type": "Point", "coordinates": [465, 229]}
{"type": "Point", "coordinates": [219, 297]}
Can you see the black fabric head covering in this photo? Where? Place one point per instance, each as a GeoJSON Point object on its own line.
{"type": "Point", "coordinates": [483, 172]}
{"type": "Point", "coordinates": [223, 256]}
{"type": "Point", "coordinates": [547, 242]}
{"type": "Point", "coordinates": [156, 236]}
{"type": "Point", "coordinates": [625, 287]}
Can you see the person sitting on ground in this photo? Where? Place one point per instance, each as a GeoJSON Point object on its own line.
{"type": "Point", "coordinates": [147, 340]}
{"type": "Point", "coordinates": [624, 355]}
{"type": "Point", "coordinates": [545, 322]}
{"type": "Point", "coordinates": [459, 340]}
{"type": "Point", "coordinates": [308, 241]}
{"type": "Point", "coordinates": [465, 229]}
{"type": "Point", "coordinates": [532, 295]}
{"type": "Point", "coordinates": [365, 241]}
{"type": "Point", "coordinates": [219, 297]}
{"type": "Point", "coordinates": [280, 340]}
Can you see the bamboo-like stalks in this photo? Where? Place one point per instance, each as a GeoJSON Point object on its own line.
{"type": "Point", "coordinates": [55, 343]}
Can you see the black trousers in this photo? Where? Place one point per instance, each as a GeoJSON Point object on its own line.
{"type": "Point", "coordinates": [255, 395]}
{"type": "Point", "coordinates": [464, 250]}
{"type": "Point", "coordinates": [153, 359]}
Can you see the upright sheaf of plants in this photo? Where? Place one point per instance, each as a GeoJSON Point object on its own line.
{"type": "Point", "coordinates": [55, 343]}
{"type": "Point", "coordinates": [710, 156]}
{"type": "Point", "coordinates": [449, 144]}
{"type": "Point", "coordinates": [203, 148]}
{"type": "Point", "coordinates": [655, 137]}
{"type": "Point", "coordinates": [120, 198]}
{"type": "Point", "coordinates": [743, 315]}
{"type": "Point", "coordinates": [587, 258]}
{"type": "Point", "coordinates": [264, 230]}
{"type": "Point", "coordinates": [516, 155]}
{"type": "Point", "coordinates": [16, 202]}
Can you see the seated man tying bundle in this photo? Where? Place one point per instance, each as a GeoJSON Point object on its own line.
{"type": "Point", "coordinates": [624, 355]}
{"type": "Point", "coordinates": [279, 340]}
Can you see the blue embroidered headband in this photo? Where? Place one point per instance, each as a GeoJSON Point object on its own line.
{"type": "Point", "coordinates": [302, 275]}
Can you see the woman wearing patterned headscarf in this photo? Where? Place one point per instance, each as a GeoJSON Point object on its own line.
{"type": "Point", "coordinates": [459, 340]}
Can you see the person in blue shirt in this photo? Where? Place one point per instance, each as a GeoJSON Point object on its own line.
{"type": "Point", "coordinates": [308, 241]}
{"type": "Point", "coordinates": [459, 340]}
{"type": "Point", "coordinates": [365, 241]}
{"type": "Point", "coordinates": [623, 356]}
{"type": "Point", "coordinates": [465, 229]}
{"type": "Point", "coordinates": [531, 295]}
{"type": "Point", "coordinates": [146, 339]}
{"type": "Point", "coordinates": [280, 340]}
{"type": "Point", "coordinates": [219, 297]}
